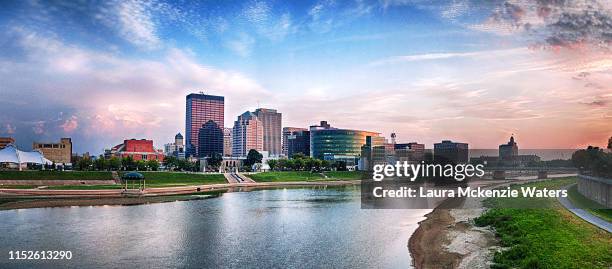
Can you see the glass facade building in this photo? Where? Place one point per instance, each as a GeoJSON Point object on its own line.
{"type": "Point", "coordinates": [328, 143]}
{"type": "Point", "coordinates": [210, 140]}
{"type": "Point", "coordinates": [200, 109]}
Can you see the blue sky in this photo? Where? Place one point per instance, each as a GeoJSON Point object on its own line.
{"type": "Point", "coordinates": [102, 71]}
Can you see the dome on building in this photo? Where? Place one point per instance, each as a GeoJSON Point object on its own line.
{"type": "Point", "coordinates": [178, 136]}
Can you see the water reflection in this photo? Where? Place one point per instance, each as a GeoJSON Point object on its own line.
{"type": "Point", "coordinates": [260, 229]}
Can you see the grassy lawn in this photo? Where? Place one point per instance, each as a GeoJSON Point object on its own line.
{"type": "Point", "coordinates": [285, 176]}
{"type": "Point", "coordinates": [170, 179]}
{"type": "Point", "coordinates": [346, 175]}
{"type": "Point", "coordinates": [594, 208]}
{"type": "Point", "coordinates": [545, 237]}
{"type": "Point", "coordinates": [55, 175]}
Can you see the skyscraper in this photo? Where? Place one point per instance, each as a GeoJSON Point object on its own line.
{"type": "Point", "coordinates": [272, 121]}
{"type": "Point", "coordinates": [200, 109]}
{"type": "Point", "coordinates": [210, 140]}
{"type": "Point", "coordinates": [287, 131]}
{"type": "Point", "coordinates": [247, 134]}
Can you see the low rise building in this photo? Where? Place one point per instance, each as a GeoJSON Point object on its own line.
{"type": "Point", "coordinates": [138, 149]}
{"type": "Point", "coordinates": [59, 153]}
{"type": "Point", "coordinates": [5, 141]}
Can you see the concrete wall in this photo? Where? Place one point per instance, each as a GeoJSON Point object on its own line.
{"type": "Point", "coordinates": [597, 189]}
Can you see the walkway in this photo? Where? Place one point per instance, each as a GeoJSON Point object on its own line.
{"type": "Point", "coordinates": [585, 215]}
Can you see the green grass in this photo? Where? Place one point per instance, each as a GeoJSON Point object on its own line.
{"type": "Point", "coordinates": [346, 175]}
{"type": "Point", "coordinates": [594, 208]}
{"type": "Point", "coordinates": [84, 187]}
{"type": "Point", "coordinates": [55, 175]}
{"type": "Point", "coordinates": [545, 237]}
{"type": "Point", "coordinates": [171, 179]}
{"type": "Point", "coordinates": [285, 176]}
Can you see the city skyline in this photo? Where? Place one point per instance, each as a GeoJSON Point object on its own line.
{"type": "Point", "coordinates": [459, 70]}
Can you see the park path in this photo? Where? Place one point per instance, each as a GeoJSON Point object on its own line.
{"type": "Point", "coordinates": [585, 215]}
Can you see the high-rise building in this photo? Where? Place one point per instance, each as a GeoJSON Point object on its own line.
{"type": "Point", "coordinates": [4, 141]}
{"type": "Point", "coordinates": [210, 140]}
{"type": "Point", "coordinates": [227, 142]}
{"type": "Point", "coordinates": [298, 142]}
{"type": "Point", "coordinates": [56, 152]}
{"type": "Point", "coordinates": [451, 152]}
{"type": "Point", "coordinates": [287, 131]}
{"type": "Point", "coordinates": [200, 109]}
{"type": "Point", "coordinates": [272, 122]}
{"type": "Point", "coordinates": [247, 134]}
{"type": "Point", "coordinates": [176, 149]}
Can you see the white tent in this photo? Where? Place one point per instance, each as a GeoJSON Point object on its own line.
{"type": "Point", "coordinates": [11, 154]}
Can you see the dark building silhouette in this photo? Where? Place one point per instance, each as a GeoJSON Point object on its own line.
{"type": "Point", "coordinates": [508, 152]}
{"type": "Point", "coordinates": [298, 142]}
{"type": "Point", "coordinates": [451, 152]}
{"type": "Point", "coordinates": [210, 139]}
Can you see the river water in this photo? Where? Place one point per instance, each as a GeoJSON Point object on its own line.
{"type": "Point", "coordinates": [275, 228]}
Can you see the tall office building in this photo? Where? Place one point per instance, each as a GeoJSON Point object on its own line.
{"type": "Point", "coordinates": [210, 140]}
{"type": "Point", "coordinates": [227, 141]}
{"type": "Point", "coordinates": [176, 149]}
{"type": "Point", "coordinates": [247, 134]}
{"type": "Point", "coordinates": [200, 109]}
{"type": "Point", "coordinates": [287, 131]}
{"type": "Point", "coordinates": [271, 120]}
{"type": "Point", "coordinates": [298, 142]}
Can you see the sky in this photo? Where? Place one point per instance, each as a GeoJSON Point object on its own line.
{"type": "Point", "coordinates": [466, 70]}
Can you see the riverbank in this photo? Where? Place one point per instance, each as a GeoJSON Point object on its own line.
{"type": "Point", "coordinates": [33, 198]}
{"type": "Point", "coordinates": [509, 237]}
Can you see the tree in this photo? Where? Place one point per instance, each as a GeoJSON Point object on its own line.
{"type": "Point", "coordinates": [253, 157]}
{"type": "Point", "coordinates": [84, 164]}
{"type": "Point", "coordinates": [114, 163]}
{"type": "Point", "coordinates": [215, 160]}
{"type": "Point", "coordinates": [273, 164]}
{"type": "Point", "coordinates": [610, 143]}
{"type": "Point", "coordinates": [171, 162]}
{"type": "Point", "coordinates": [128, 163]}
{"type": "Point", "coordinates": [299, 155]}
{"type": "Point", "coordinates": [101, 163]}
{"type": "Point", "coordinates": [153, 165]}
{"type": "Point", "coordinates": [141, 165]}
{"type": "Point", "coordinates": [298, 164]}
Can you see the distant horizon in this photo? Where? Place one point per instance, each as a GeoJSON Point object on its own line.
{"type": "Point", "coordinates": [426, 70]}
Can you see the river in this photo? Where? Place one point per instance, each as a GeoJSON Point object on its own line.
{"type": "Point", "coordinates": [274, 228]}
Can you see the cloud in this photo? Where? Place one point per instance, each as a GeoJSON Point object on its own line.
{"type": "Point", "coordinates": [104, 98]}
{"type": "Point", "coordinates": [553, 24]}
{"type": "Point", "coordinates": [136, 25]}
{"type": "Point", "coordinates": [447, 55]}
{"type": "Point", "coordinates": [242, 45]}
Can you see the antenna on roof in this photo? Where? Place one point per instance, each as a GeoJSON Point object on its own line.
{"type": "Point", "coordinates": [258, 104]}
